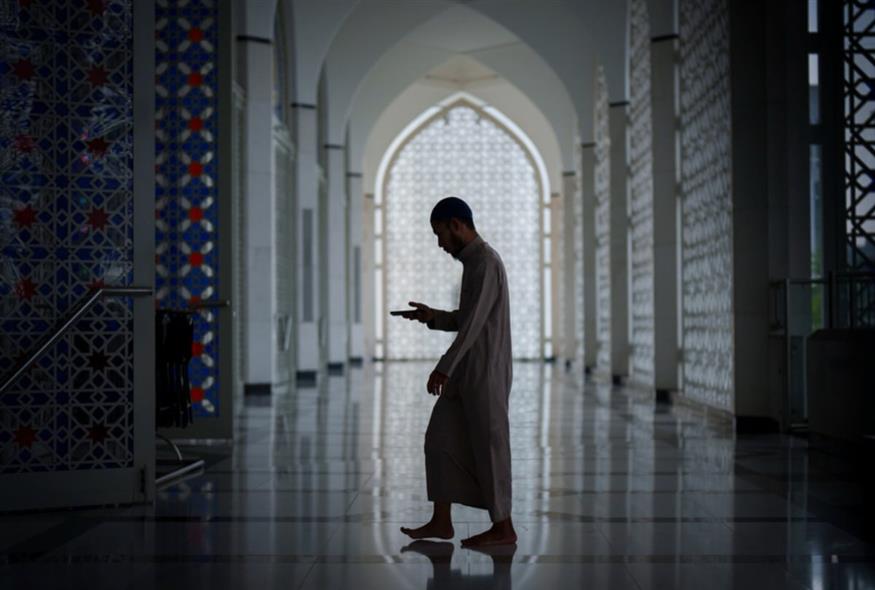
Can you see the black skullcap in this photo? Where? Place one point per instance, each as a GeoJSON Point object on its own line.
{"type": "Point", "coordinates": [451, 207]}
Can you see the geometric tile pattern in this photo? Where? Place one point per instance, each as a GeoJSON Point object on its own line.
{"type": "Point", "coordinates": [640, 196]}
{"type": "Point", "coordinates": [466, 152]}
{"type": "Point", "coordinates": [187, 211]}
{"type": "Point", "coordinates": [602, 173]}
{"type": "Point", "coordinates": [859, 136]}
{"type": "Point", "coordinates": [66, 226]}
{"type": "Point", "coordinates": [706, 193]}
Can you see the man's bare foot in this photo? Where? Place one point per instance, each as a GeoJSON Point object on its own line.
{"type": "Point", "coordinates": [431, 529]}
{"type": "Point", "coordinates": [501, 533]}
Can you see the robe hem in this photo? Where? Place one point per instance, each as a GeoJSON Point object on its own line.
{"type": "Point", "coordinates": [456, 501]}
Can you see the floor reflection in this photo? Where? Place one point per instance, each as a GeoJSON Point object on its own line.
{"type": "Point", "coordinates": [610, 491]}
{"type": "Point", "coordinates": [445, 578]}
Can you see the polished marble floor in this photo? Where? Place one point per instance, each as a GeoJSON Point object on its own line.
{"type": "Point", "coordinates": [610, 491]}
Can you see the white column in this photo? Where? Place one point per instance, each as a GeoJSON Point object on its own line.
{"type": "Point", "coordinates": [566, 330]}
{"type": "Point", "coordinates": [666, 212]}
{"type": "Point", "coordinates": [587, 288]}
{"type": "Point", "coordinates": [335, 298]}
{"type": "Point", "coordinates": [355, 265]}
{"type": "Point", "coordinates": [259, 203]}
{"type": "Point", "coordinates": [368, 286]}
{"type": "Point", "coordinates": [620, 307]}
{"type": "Point", "coordinates": [307, 216]}
{"type": "Point", "coordinates": [557, 257]}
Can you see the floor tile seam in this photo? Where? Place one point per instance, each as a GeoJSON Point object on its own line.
{"type": "Point", "coordinates": [548, 520]}
{"type": "Point", "coordinates": [549, 493]}
{"type": "Point", "coordinates": [627, 568]}
{"type": "Point", "coordinates": [8, 560]}
{"type": "Point", "coordinates": [307, 575]}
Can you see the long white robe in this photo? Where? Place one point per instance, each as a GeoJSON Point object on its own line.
{"type": "Point", "coordinates": [467, 443]}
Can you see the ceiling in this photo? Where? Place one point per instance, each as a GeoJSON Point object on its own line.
{"type": "Point", "coordinates": [461, 70]}
{"type": "Point", "coordinates": [460, 30]}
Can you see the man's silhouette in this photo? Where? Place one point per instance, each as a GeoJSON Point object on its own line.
{"type": "Point", "coordinates": [467, 443]}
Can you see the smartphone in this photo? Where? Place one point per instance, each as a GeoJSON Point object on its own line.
{"type": "Point", "coordinates": [403, 311]}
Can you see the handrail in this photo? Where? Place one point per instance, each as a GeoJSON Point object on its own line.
{"type": "Point", "coordinates": [825, 280]}
{"type": "Point", "coordinates": [831, 283]}
{"type": "Point", "coordinates": [211, 304]}
{"type": "Point", "coordinates": [65, 325]}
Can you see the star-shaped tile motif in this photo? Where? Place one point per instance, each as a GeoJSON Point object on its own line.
{"type": "Point", "coordinates": [98, 361]}
{"type": "Point", "coordinates": [24, 143]}
{"type": "Point", "coordinates": [195, 35]}
{"type": "Point", "coordinates": [97, 146]}
{"type": "Point", "coordinates": [196, 259]}
{"type": "Point", "coordinates": [98, 76]}
{"type": "Point", "coordinates": [23, 69]}
{"type": "Point", "coordinates": [24, 217]}
{"type": "Point", "coordinates": [96, 7]}
{"type": "Point", "coordinates": [98, 433]}
{"type": "Point", "coordinates": [25, 436]}
{"type": "Point", "coordinates": [98, 218]}
{"type": "Point", "coordinates": [25, 289]}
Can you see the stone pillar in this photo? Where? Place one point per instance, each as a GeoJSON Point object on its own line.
{"type": "Point", "coordinates": [620, 308]}
{"type": "Point", "coordinates": [355, 261]}
{"type": "Point", "coordinates": [666, 211]}
{"type": "Point", "coordinates": [789, 176]}
{"type": "Point", "coordinates": [307, 218]}
{"type": "Point", "coordinates": [557, 294]}
{"type": "Point", "coordinates": [336, 256]}
{"type": "Point", "coordinates": [567, 330]}
{"type": "Point", "coordinates": [587, 286]}
{"type": "Point", "coordinates": [368, 287]}
{"type": "Point", "coordinates": [257, 60]}
{"type": "Point", "coordinates": [750, 212]}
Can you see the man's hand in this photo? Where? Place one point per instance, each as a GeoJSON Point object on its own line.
{"type": "Point", "coordinates": [436, 382]}
{"type": "Point", "coordinates": [422, 313]}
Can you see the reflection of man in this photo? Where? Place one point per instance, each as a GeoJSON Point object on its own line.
{"type": "Point", "coordinates": [467, 444]}
{"type": "Point", "coordinates": [441, 556]}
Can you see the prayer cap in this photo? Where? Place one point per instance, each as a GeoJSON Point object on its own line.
{"type": "Point", "coordinates": [451, 207]}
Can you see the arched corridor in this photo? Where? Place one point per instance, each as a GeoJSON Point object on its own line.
{"type": "Point", "coordinates": [208, 210]}
{"type": "Point", "coordinates": [462, 149]}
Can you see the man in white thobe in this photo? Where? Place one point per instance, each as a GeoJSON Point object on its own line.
{"type": "Point", "coordinates": [467, 443]}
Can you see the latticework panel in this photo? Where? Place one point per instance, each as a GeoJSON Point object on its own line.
{"type": "Point", "coordinates": [705, 122]}
{"type": "Point", "coordinates": [602, 189]}
{"type": "Point", "coordinates": [66, 227]}
{"type": "Point", "coordinates": [462, 152]}
{"type": "Point", "coordinates": [284, 257]}
{"type": "Point", "coordinates": [238, 255]}
{"type": "Point", "coordinates": [859, 105]}
{"type": "Point", "coordinates": [641, 196]}
{"type": "Point", "coordinates": [580, 310]}
{"type": "Point", "coordinates": [187, 206]}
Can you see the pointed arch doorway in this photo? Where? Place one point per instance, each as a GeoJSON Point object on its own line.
{"type": "Point", "coordinates": [466, 148]}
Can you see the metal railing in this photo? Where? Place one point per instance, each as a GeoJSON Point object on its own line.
{"type": "Point", "coordinates": [62, 327]}
{"type": "Point", "coordinates": [847, 301]}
